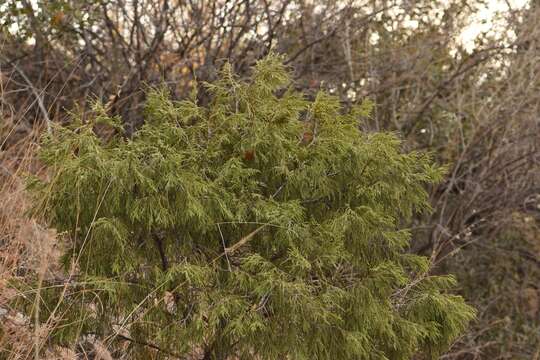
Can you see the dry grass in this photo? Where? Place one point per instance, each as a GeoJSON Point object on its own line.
{"type": "Point", "coordinates": [28, 251]}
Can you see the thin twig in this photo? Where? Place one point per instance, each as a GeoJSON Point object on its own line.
{"type": "Point", "coordinates": [243, 240]}
{"type": "Point", "coordinates": [38, 96]}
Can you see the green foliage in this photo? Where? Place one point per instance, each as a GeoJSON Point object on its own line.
{"type": "Point", "coordinates": [261, 225]}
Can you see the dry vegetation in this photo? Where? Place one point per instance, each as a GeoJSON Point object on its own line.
{"type": "Point", "coordinates": [25, 245]}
